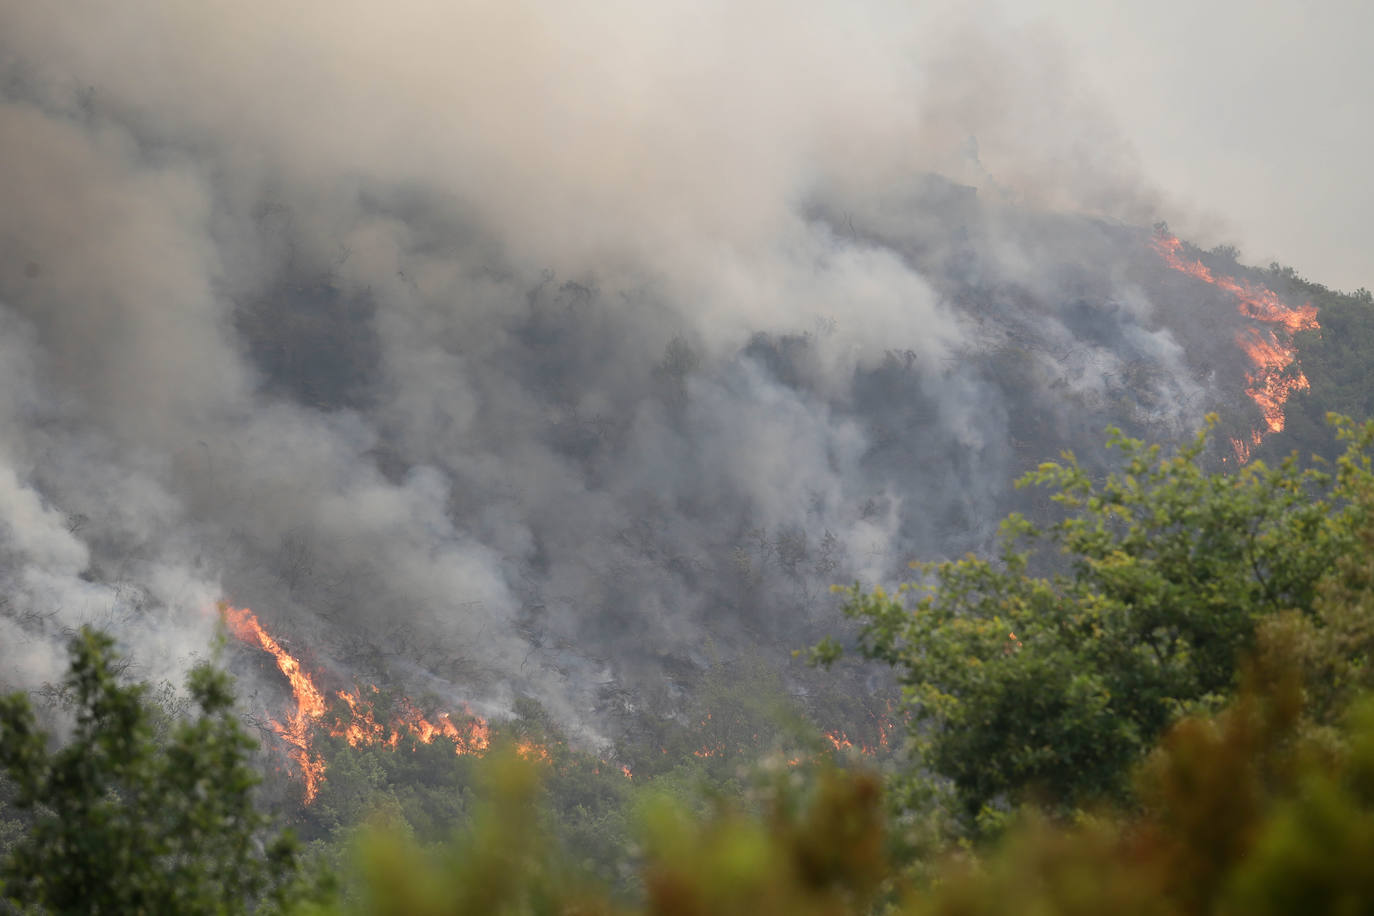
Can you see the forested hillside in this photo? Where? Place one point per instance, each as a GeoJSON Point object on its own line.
{"type": "Point", "coordinates": [588, 575]}
{"type": "Point", "coordinates": [674, 457]}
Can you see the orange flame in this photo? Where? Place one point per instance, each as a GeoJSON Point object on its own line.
{"type": "Point", "coordinates": [841, 742]}
{"type": "Point", "coordinates": [1241, 448]}
{"type": "Point", "coordinates": [360, 727]}
{"type": "Point", "coordinates": [309, 701]}
{"type": "Point", "coordinates": [473, 738]}
{"type": "Point", "coordinates": [529, 750]}
{"type": "Point", "coordinates": [1276, 374]}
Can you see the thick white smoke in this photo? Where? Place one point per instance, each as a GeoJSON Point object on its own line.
{"type": "Point", "coordinates": [527, 347]}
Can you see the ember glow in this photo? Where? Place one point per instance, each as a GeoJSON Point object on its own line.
{"type": "Point", "coordinates": [841, 741]}
{"type": "Point", "coordinates": [358, 723]}
{"type": "Point", "coordinates": [1269, 344]}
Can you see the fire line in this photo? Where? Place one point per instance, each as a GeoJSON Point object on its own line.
{"type": "Point", "coordinates": [470, 735]}
{"type": "Point", "coordinates": [1269, 345]}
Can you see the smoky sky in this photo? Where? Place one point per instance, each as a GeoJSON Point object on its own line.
{"type": "Point", "coordinates": [546, 349]}
{"type": "Point", "coordinates": [1251, 115]}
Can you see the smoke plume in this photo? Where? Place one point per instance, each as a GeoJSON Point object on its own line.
{"type": "Point", "coordinates": [541, 349]}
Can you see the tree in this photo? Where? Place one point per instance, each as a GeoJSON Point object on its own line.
{"type": "Point", "coordinates": [1240, 812]}
{"type": "Point", "coordinates": [122, 821]}
{"type": "Point", "coordinates": [1047, 672]}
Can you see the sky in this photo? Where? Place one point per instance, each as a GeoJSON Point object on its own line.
{"type": "Point", "coordinates": [1253, 117]}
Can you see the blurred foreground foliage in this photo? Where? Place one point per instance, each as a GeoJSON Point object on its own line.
{"type": "Point", "coordinates": [134, 814]}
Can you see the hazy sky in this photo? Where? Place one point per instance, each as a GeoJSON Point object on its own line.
{"type": "Point", "coordinates": [1259, 114]}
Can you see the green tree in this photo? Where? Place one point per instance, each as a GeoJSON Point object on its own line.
{"type": "Point", "coordinates": [1334, 358]}
{"type": "Point", "coordinates": [1047, 672]}
{"type": "Point", "coordinates": [121, 821]}
{"type": "Point", "coordinates": [1242, 812]}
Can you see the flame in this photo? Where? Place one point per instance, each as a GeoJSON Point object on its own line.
{"type": "Point", "coordinates": [841, 742]}
{"type": "Point", "coordinates": [360, 726]}
{"type": "Point", "coordinates": [529, 750]}
{"type": "Point", "coordinates": [1242, 449]}
{"type": "Point", "coordinates": [309, 701]}
{"type": "Point", "coordinates": [1276, 374]}
{"type": "Point", "coordinates": [474, 737]}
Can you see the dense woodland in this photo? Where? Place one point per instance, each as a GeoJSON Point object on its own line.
{"type": "Point", "coordinates": [1154, 697]}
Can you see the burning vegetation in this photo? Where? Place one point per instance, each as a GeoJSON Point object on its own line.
{"type": "Point", "coordinates": [356, 717]}
{"type": "Point", "coordinates": [1275, 373]}
{"type": "Point", "coordinates": [359, 726]}
{"type": "Point", "coordinates": [309, 702]}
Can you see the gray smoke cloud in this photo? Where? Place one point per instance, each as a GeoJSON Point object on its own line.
{"type": "Point", "coordinates": [536, 348]}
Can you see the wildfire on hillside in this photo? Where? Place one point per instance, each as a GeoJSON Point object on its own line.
{"type": "Point", "coordinates": [841, 741]}
{"type": "Point", "coordinates": [1269, 345]}
{"type": "Point", "coordinates": [360, 726]}
{"type": "Point", "coordinates": [310, 706]}
{"type": "Point", "coordinates": [355, 718]}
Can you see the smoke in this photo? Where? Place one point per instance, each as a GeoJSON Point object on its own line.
{"type": "Point", "coordinates": [539, 349]}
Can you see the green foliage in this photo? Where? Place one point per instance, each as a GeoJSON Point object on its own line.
{"type": "Point", "coordinates": [816, 850]}
{"type": "Point", "coordinates": [124, 823]}
{"type": "Point", "coordinates": [738, 713]}
{"type": "Point", "coordinates": [1335, 357]}
{"type": "Point", "coordinates": [1049, 686]}
{"type": "Point", "coordinates": [504, 864]}
{"type": "Point", "coordinates": [1239, 813]}
{"type": "Point", "coordinates": [741, 719]}
{"type": "Point", "coordinates": [424, 785]}
{"type": "Point", "coordinates": [427, 793]}
{"type": "Point", "coordinates": [1312, 852]}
